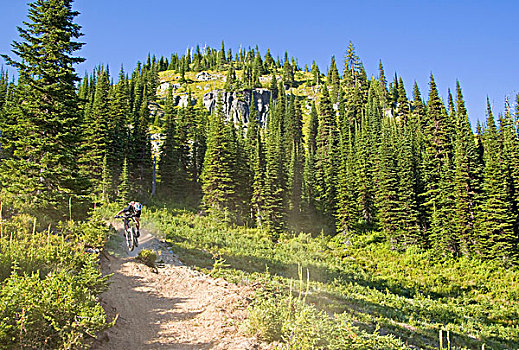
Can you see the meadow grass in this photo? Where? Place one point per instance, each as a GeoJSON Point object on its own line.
{"type": "Point", "coordinates": [382, 296]}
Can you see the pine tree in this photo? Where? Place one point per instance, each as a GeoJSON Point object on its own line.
{"type": "Point", "coordinates": [258, 207]}
{"type": "Point", "coordinates": [510, 156]}
{"type": "Point", "coordinates": [402, 104]}
{"type": "Point", "coordinates": [326, 170]}
{"type": "Point", "coordinates": [221, 57]}
{"type": "Point", "coordinates": [274, 86]}
{"type": "Point", "coordinates": [466, 176]}
{"type": "Point", "coordinates": [230, 82]}
{"type": "Point", "coordinates": [218, 183]}
{"type": "Point", "coordinates": [118, 123]}
{"type": "Point", "coordinates": [382, 79]}
{"type": "Point", "coordinates": [437, 149]}
{"type": "Point", "coordinates": [275, 175]}
{"type": "Point", "coordinates": [315, 74]}
{"type": "Point", "coordinates": [388, 183]}
{"type": "Point", "coordinates": [347, 211]}
{"type": "Point", "coordinates": [141, 161]}
{"type": "Point", "coordinates": [294, 148]}
{"type": "Point", "coordinates": [124, 183]}
{"type": "Point", "coordinates": [269, 64]}
{"type": "Point", "coordinates": [409, 228]}
{"type": "Point", "coordinates": [96, 133]}
{"type": "Point", "coordinates": [419, 109]}
{"type": "Point", "coordinates": [366, 140]}
{"type": "Point", "coordinates": [309, 166]}
{"type": "Point", "coordinates": [334, 81]}
{"type": "Point", "coordinates": [494, 220]}
{"type": "Point", "coordinates": [288, 72]}
{"type": "Point", "coordinates": [257, 70]}
{"type": "Point", "coordinates": [172, 175]}
{"type": "Point", "coordinates": [43, 173]}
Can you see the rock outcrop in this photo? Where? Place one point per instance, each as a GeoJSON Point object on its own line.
{"type": "Point", "coordinates": [182, 100]}
{"type": "Point", "coordinates": [163, 88]}
{"type": "Point", "coordinates": [236, 104]}
{"type": "Point", "coordinates": [204, 76]}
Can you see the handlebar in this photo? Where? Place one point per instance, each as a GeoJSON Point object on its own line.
{"type": "Point", "coordinates": [124, 216]}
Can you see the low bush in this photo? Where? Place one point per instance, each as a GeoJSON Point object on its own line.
{"type": "Point", "coordinates": [290, 320]}
{"type": "Point", "coordinates": [147, 257]}
{"type": "Point", "coordinates": [49, 284]}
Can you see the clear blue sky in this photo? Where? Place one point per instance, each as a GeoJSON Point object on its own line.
{"type": "Point", "coordinates": [474, 41]}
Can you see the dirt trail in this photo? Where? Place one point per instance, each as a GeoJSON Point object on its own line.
{"type": "Point", "coordinates": [172, 308]}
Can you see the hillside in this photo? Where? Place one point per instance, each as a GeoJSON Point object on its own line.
{"type": "Point", "coordinates": [367, 295]}
{"type": "Point", "coordinates": [311, 210]}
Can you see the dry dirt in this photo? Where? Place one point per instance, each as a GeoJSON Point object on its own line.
{"type": "Point", "coordinates": [172, 307]}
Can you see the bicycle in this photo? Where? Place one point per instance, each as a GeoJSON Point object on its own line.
{"type": "Point", "coordinates": [129, 231]}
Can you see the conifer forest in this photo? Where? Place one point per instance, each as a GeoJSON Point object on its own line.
{"type": "Point", "coordinates": [255, 142]}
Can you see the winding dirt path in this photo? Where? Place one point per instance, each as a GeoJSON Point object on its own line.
{"type": "Point", "coordinates": [173, 307]}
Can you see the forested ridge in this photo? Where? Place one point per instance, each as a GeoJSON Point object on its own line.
{"type": "Point", "coordinates": [340, 163]}
{"type": "Point", "coordinates": [346, 154]}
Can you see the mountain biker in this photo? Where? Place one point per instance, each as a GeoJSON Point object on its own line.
{"type": "Point", "coordinates": [133, 208]}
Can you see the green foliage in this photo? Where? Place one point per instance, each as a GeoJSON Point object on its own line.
{"type": "Point", "coordinates": [219, 186]}
{"type": "Point", "coordinates": [42, 133]}
{"type": "Point", "coordinates": [92, 232]}
{"type": "Point", "coordinates": [50, 283]}
{"type": "Point", "coordinates": [54, 312]}
{"type": "Point", "coordinates": [371, 295]}
{"type": "Point", "coordinates": [147, 257]}
{"type": "Point", "coordinates": [296, 324]}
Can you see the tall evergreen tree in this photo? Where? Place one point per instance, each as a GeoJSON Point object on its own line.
{"type": "Point", "coordinates": [96, 134]}
{"type": "Point", "coordinates": [123, 191]}
{"type": "Point", "coordinates": [288, 72]}
{"type": "Point", "coordinates": [172, 174]}
{"type": "Point", "coordinates": [310, 158]}
{"type": "Point", "coordinates": [334, 81]}
{"type": "Point", "coordinates": [466, 176]}
{"type": "Point", "coordinates": [43, 173]}
{"type": "Point", "coordinates": [120, 113]}
{"type": "Point", "coordinates": [294, 148]}
{"type": "Point", "coordinates": [326, 170]}
{"type": "Point", "coordinates": [438, 149]}
{"type": "Point", "coordinates": [494, 221]}
{"type": "Point", "coordinates": [258, 200]}
{"type": "Point", "coordinates": [218, 182]}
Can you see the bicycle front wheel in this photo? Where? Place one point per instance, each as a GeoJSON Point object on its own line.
{"type": "Point", "coordinates": [129, 238]}
{"type": "Point", "coordinates": [135, 242]}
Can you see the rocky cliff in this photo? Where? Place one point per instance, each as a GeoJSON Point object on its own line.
{"type": "Point", "coordinates": [236, 104]}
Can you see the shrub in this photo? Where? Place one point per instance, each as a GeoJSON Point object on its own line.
{"type": "Point", "coordinates": [147, 257]}
{"type": "Point", "coordinates": [290, 320]}
{"type": "Point", "coordinates": [54, 312]}
{"type": "Point", "coordinates": [48, 284]}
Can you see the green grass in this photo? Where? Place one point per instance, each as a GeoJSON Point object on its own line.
{"type": "Point", "coordinates": [374, 290]}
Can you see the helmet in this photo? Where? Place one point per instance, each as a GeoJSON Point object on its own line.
{"type": "Point", "coordinates": [137, 206]}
